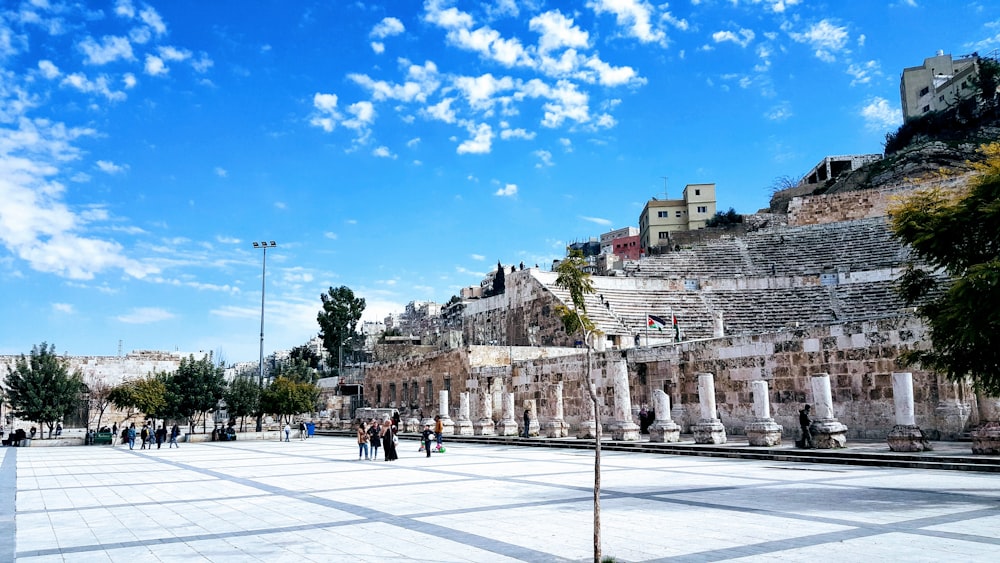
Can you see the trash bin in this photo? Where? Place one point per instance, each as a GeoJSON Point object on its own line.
{"type": "Point", "coordinates": [310, 429]}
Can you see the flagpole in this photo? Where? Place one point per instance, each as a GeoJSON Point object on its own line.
{"type": "Point", "coordinates": [647, 326]}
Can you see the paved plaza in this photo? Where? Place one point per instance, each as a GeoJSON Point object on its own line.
{"type": "Point", "coordinates": [314, 501]}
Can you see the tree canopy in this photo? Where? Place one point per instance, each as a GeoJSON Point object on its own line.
{"type": "Point", "coordinates": [242, 396]}
{"type": "Point", "coordinates": [197, 386]}
{"type": "Point", "coordinates": [41, 388]}
{"type": "Point", "coordinates": [285, 397]}
{"type": "Point", "coordinates": [146, 395]}
{"type": "Point", "coordinates": [954, 282]}
{"type": "Point", "coordinates": [339, 318]}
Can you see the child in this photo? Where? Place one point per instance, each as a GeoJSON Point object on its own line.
{"type": "Point", "coordinates": [426, 437]}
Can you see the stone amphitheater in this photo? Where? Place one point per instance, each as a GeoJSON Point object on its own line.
{"type": "Point", "coordinates": [811, 294]}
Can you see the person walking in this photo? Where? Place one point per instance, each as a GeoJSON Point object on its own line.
{"type": "Point", "coordinates": [174, 433]}
{"type": "Point", "coordinates": [527, 422]}
{"type": "Point", "coordinates": [425, 437]}
{"type": "Point", "coordinates": [374, 439]}
{"type": "Point", "coordinates": [58, 429]}
{"type": "Point", "coordinates": [804, 423]}
{"type": "Point", "coordinates": [131, 437]}
{"type": "Point", "coordinates": [389, 440]}
{"type": "Point", "coordinates": [302, 430]}
{"type": "Point", "coordinates": [114, 434]}
{"type": "Point", "coordinates": [288, 432]}
{"type": "Point", "coordinates": [439, 431]}
{"type": "Point", "coordinates": [362, 441]}
{"type": "Point", "coordinates": [161, 435]}
{"type": "Point", "coordinates": [144, 434]}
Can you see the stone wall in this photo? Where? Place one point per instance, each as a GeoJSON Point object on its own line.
{"type": "Point", "coordinates": [860, 358]}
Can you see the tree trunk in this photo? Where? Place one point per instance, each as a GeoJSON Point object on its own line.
{"type": "Point", "coordinates": [592, 388]}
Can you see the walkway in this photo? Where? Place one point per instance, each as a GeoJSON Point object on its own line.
{"type": "Point", "coordinates": [313, 501]}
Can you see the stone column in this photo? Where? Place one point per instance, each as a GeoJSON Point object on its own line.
{"type": "Point", "coordinates": [709, 429]}
{"type": "Point", "coordinates": [763, 431]}
{"type": "Point", "coordinates": [484, 426]}
{"type": "Point", "coordinates": [622, 428]}
{"type": "Point", "coordinates": [555, 427]}
{"type": "Point", "coordinates": [952, 413]}
{"type": "Point", "coordinates": [587, 429]}
{"type": "Point", "coordinates": [463, 426]}
{"type": "Point", "coordinates": [986, 438]}
{"type": "Point", "coordinates": [905, 436]}
{"type": "Point", "coordinates": [448, 425]}
{"type": "Point", "coordinates": [533, 425]}
{"type": "Point", "coordinates": [720, 327]}
{"type": "Point", "coordinates": [827, 431]}
{"type": "Point", "coordinates": [663, 429]}
{"type": "Point", "coordinates": [508, 425]}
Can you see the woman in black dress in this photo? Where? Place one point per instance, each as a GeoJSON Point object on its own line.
{"type": "Point", "coordinates": [389, 440]}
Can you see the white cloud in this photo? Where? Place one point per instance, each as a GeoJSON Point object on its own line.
{"type": "Point", "coordinates": [567, 144]}
{"type": "Point", "coordinates": [327, 115]}
{"type": "Point", "coordinates": [557, 32]}
{"type": "Point", "coordinates": [879, 115]}
{"type": "Point", "coordinates": [779, 112]}
{"type": "Point", "coordinates": [862, 73]}
{"type": "Point", "coordinates": [383, 152]}
{"type": "Point", "coordinates": [742, 38]}
{"type": "Point", "coordinates": [441, 111]}
{"type": "Point", "coordinates": [364, 115]}
{"type": "Point", "coordinates": [633, 15]}
{"type": "Point", "coordinates": [509, 190]}
{"type": "Point", "coordinates": [597, 220]}
{"type": "Point", "coordinates": [124, 8]}
{"type": "Point", "coordinates": [49, 69]}
{"type": "Point", "coordinates": [98, 85]}
{"type": "Point", "coordinates": [168, 53]}
{"type": "Point", "coordinates": [145, 315]}
{"type": "Point", "coordinates": [110, 49]}
{"type": "Point", "coordinates": [544, 159]}
{"type": "Point", "coordinates": [221, 172]}
{"type": "Point", "coordinates": [518, 133]}
{"type": "Point", "coordinates": [478, 257]}
{"type": "Point", "coordinates": [64, 308]}
{"type": "Point", "coordinates": [150, 17]}
{"type": "Point", "coordinates": [481, 141]}
{"type": "Point", "coordinates": [109, 167]}
{"type": "Point", "coordinates": [413, 142]}
{"type": "Point", "coordinates": [330, 235]}
{"type": "Point", "coordinates": [387, 28]}
{"type": "Point", "coordinates": [826, 38]}
{"type": "Point", "coordinates": [155, 66]}
{"type": "Point", "coordinates": [378, 47]}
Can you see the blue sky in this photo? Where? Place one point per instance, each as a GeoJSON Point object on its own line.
{"type": "Point", "coordinates": [398, 148]}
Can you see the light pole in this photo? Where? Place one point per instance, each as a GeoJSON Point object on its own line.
{"type": "Point", "coordinates": [263, 245]}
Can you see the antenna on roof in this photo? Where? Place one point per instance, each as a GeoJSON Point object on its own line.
{"type": "Point", "coordinates": [665, 196]}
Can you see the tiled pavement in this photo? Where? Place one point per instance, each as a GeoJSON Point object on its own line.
{"type": "Point", "coordinates": [313, 501]}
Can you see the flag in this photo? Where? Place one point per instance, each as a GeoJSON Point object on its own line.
{"type": "Point", "coordinates": [659, 323]}
{"type": "Point", "coordinates": [677, 329]}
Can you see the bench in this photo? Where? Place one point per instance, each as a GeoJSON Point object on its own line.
{"type": "Point", "coordinates": [102, 438]}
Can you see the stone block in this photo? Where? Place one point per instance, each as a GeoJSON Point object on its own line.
{"type": "Point", "coordinates": [709, 432]}
{"type": "Point", "coordinates": [907, 439]}
{"type": "Point", "coordinates": [764, 432]}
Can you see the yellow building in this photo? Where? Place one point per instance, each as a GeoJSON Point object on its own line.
{"type": "Point", "coordinates": [660, 217]}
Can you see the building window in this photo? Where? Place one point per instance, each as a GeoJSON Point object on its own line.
{"type": "Point", "coordinates": [378, 394]}
{"type": "Point", "coordinates": [430, 392]}
{"type": "Point", "coordinates": [392, 393]}
{"type": "Point", "coordinates": [925, 90]}
{"type": "Point", "coordinates": [405, 396]}
{"type": "Point", "coordinates": [697, 192]}
{"type": "Point", "coordinates": [926, 109]}
{"type": "Point", "coordinates": [702, 209]}
{"type": "Point", "coordinates": [940, 98]}
{"type": "Point", "coordinates": [663, 214]}
{"type": "Point", "coordinates": [664, 235]}
{"type": "Point", "coordinates": [677, 213]}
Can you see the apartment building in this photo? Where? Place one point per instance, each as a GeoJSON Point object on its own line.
{"type": "Point", "coordinates": [937, 84]}
{"type": "Point", "coordinates": [660, 217]}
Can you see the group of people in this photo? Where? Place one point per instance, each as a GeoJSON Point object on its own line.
{"type": "Point", "coordinates": [149, 435]}
{"type": "Point", "coordinates": [373, 435]}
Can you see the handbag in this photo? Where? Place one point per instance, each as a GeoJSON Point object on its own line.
{"type": "Point", "coordinates": [395, 440]}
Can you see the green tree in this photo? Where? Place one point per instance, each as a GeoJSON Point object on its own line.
{"type": "Point", "coordinates": [571, 276]}
{"type": "Point", "coordinates": [285, 397]}
{"type": "Point", "coordinates": [242, 397]}
{"type": "Point", "coordinates": [146, 395]}
{"type": "Point", "coordinates": [196, 387]}
{"type": "Point", "coordinates": [41, 388]}
{"type": "Point", "coordinates": [339, 319]}
{"type": "Point", "coordinates": [958, 234]}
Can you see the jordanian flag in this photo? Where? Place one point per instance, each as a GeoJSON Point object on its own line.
{"type": "Point", "coordinates": [659, 323]}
